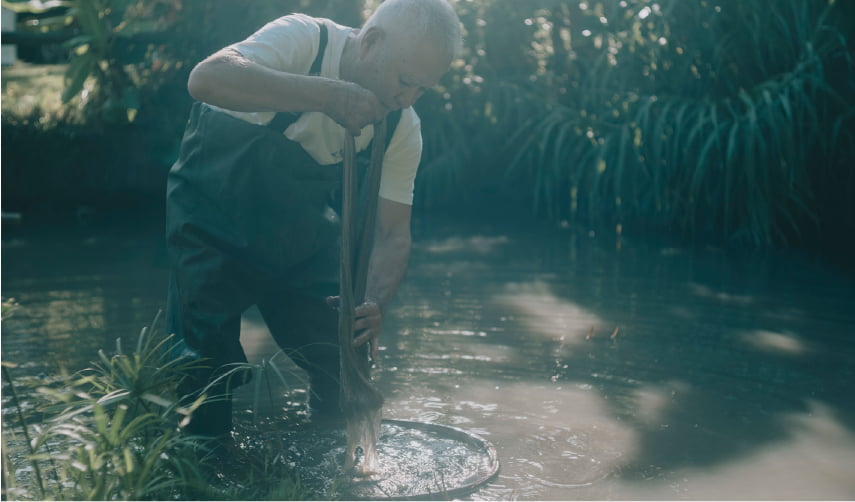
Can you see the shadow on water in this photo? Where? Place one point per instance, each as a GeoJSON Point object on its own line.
{"type": "Point", "coordinates": [599, 371]}
{"type": "Point", "coordinates": [718, 348]}
{"type": "Point", "coordinates": [702, 358]}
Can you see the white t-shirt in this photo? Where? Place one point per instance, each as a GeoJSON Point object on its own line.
{"type": "Point", "coordinates": [290, 44]}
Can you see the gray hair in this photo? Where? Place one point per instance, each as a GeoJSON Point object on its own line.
{"type": "Point", "coordinates": [424, 20]}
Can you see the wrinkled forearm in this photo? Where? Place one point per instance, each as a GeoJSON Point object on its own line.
{"type": "Point", "coordinates": [229, 80]}
{"type": "Point", "coordinates": [387, 268]}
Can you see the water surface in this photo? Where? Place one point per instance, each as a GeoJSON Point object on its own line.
{"type": "Point", "coordinates": [598, 369]}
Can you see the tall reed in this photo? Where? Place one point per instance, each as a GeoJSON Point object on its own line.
{"type": "Point", "coordinates": [724, 120]}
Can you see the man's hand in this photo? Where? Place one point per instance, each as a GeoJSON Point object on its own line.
{"type": "Point", "coordinates": [367, 323]}
{"type": "Point", "coordinates": [369, 319]}
{"type": "Point", "coordinates": [355, 107]}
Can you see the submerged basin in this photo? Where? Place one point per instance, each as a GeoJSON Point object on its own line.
{"type": "Point", "coordinates": [417, 461]}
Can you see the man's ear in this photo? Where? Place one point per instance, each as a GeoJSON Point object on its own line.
{"type": "Point", "coordinates": [370, 39]}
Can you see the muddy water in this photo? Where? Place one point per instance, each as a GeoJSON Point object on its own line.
{"type": "Point", "coordinates": [599, 370]}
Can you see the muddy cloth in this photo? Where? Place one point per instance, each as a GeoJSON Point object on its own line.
{"type": "Point", "coordinates": [251, 220]}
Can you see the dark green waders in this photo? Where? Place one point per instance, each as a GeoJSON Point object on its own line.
{"type": "Point", "coordinates": [251, 221]}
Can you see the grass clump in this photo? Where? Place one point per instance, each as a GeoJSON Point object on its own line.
{"type": "Point", "coordinates": [115, 432]}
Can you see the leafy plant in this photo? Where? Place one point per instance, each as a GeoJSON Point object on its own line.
{"type": "Point", "coordinates": [115, 432]}
{"type": "Point", "coordinates": [720, 121]}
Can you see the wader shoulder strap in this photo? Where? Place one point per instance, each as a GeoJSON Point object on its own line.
{"type": "Point", "coordinates": [391, 124]}
{"type": "Point", "coordinates": [283, 120]}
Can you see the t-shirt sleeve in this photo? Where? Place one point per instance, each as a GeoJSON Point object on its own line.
{"type": "Point", "coordinates": [285, 44]}
{"type": "Point", "coordinates": [402, 158]}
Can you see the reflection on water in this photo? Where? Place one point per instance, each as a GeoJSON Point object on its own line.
{"type": "Point", "coordinates": [598, 372]}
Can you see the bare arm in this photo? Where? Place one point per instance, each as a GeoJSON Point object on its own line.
{"type": "Point", "coordinates": [229, 80]}
{"type": "Point", "coordinates": [386, 269]}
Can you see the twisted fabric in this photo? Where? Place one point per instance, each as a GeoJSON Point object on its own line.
{"type": "Point", "coordinates": [361, 402]}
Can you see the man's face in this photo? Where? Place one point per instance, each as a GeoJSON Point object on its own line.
{"type": "Point", "coordinates": [398, 71]}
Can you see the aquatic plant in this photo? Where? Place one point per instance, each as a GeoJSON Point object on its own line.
{"type": "Point", "coordinates": [111, 431]}
{"type": "Point", "coordinates": [114, 432]}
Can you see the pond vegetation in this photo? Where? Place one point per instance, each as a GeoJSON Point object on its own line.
{"type": "Point", "coordinates": [114, 431]}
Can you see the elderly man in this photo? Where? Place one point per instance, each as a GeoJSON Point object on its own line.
{"type": "Point", "coordinates": [250, 217]}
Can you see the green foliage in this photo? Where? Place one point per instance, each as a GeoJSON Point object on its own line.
{"type": "Point", "coordinates": [114, 94]}
{"type": "Point", "coordinates": [120, 50]}
{"type": "Point", "coordinates": [723, 120]}
{"type": "Point", "coordinates": [114, 432]}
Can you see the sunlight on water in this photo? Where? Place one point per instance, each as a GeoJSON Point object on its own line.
{"type": "Point", "coordinates": [414, 459]}
{"type": "Point", "coordinates": [784, 343]}
{"type": "Point", "coordinates": [544, 313]}
{"type": "Point", "coordinates": [707, 292]}
{"type": "Point", "coordinates": [652, 401]}
{"type": "Point", "coordinates": [477, 244]}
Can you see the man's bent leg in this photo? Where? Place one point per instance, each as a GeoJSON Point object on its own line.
{"type": "Point", "coordinates": [305, 327]}
{"type": "Point", "coordinates": [203, 311]}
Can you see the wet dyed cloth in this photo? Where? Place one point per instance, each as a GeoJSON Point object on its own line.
{"type": "Point", "coordinates": [251, 220]}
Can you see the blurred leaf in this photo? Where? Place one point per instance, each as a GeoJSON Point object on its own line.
{"type": "Point", "coordinates": [90, 20]}
{"type": "Point", "coordinates": [78, 70]}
